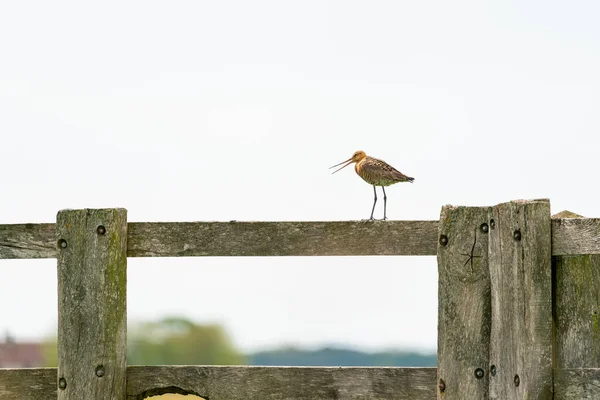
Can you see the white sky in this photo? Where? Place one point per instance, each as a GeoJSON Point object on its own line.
{"type": "Point", "coordinates": [199, 111]}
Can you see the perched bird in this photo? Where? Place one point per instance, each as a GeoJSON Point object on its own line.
{"type": "Point", "coordinates": [375, 172]}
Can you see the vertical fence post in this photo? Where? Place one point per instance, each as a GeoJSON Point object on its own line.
{"type": "Point", "coordinates": [576, 318]}
{"type": "Point", "coordinates": [92, 315]}
{"type": "Point", "coordinates": [521, 276]}
{"type": "Point", "coordinates": [495, 302]}
{"type": "Point", "coordinates": [464, 303]}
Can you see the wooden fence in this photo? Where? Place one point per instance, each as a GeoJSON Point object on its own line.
{"type": "Point", "coordinates": [519, 302]}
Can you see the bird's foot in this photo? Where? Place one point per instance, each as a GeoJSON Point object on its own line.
{"type": "Point", "coordinates": [368, 220]}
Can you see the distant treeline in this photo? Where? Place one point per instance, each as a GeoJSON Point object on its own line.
{"type": "Point", "coordinates": [341, 357]}
{"type": "Point", "coordinates": [178, 341]}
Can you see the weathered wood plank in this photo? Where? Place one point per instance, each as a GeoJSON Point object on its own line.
{"type": "Point", "coordinates": [573, 236]}
{"type": "Point", "coordinates": [92, 311]}
{"type": "Point", "coordinates": [342, 238]}
{"type": "Point", "coordinates": [289, 383]}
{"type": "Point", "coordinates": [247, 383]}
{"type": "Point", "coordinates": [28, 384]}
{"type": "Point", "coordinates": [521, 282]}
{"type": "Point", "coordinates": [577, 384]}
{"type": "Point", "coordinates": [577, 307]}
{"type": "Point", "coordinates": [27, 241]}
{"type": "Point", "coordinates": [463, 303]}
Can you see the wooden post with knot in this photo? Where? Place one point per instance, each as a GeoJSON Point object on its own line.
{"type": "Point", "coordinates": [495, 302]}
{"type": "Point", "coordinates": [92, 316]}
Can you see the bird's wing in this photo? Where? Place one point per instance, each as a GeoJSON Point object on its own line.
{"type": "Point", "coordinates": [383, 169]}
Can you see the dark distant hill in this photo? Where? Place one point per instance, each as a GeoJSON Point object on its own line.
{"type": "Point", "coordinates": [341, 357]}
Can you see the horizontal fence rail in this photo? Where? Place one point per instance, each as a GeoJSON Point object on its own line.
{"type": "Point", "coordinates": [570, 236]}
{"type": "Point", "coordinates": [293, 383]}
{"type": "Point", "coordinates": [244, 382]}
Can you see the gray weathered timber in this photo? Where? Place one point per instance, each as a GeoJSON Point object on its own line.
{"type": "Point", "coordinates": [284, 383]}
{"type": "Point", "coordinates": [92, 316]}
{"type": "Point", "coordinates": [577, 384]}
{"type": "Point", "coordinates": [28, 384]}
{"type": "Point", "coordinates": [343, 238]}
{"type": "Point", "coordinates": [247, 383]}
{"type": "Point", "coordinates": [574, 236]}
{"type": "Point", "coordinates": [463, 303]}
{"type": "Point", "coordinates": [521, 283]}
{"type": "Point", "coordinates": [27, 241]}
{"type": "Point", "coordinates": [577, 307]}
{"type": "Point", "coordinates": [349, 238]}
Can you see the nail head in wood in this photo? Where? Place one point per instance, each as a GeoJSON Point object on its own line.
{"type": "Point", "coordinates": [492, 223]}
{"type": "Point", "coordinates": [62, 383]}
{"type": "Point", "coordinates": [517, 380]}
{"type": "Point", "coordinates": [479, 373]}
{"type": "Point", "coordinates": [443, 240]}
{"type": "Point", "coordinates": [62, 243]}
{"type": "Point", "coordinates": [442, 386]}
{"type": "Point", "coordinates": [517, 235]}
{"type": "Point", "coordinates": [484, 228]}
{"type": "Point", "coordinates": [493, 370]}
{"type": "Point", "coordinates": [100, 371]}
{"type": "Point", "coordinates": [101, 230]}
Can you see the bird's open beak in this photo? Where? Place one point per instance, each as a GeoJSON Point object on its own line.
{"type": "Point", "coordinates": [348, 162]}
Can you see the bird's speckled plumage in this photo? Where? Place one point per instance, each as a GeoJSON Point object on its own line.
{"type": "Point", "coordinates": [375, 172]}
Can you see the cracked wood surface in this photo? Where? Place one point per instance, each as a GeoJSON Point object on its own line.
{"type": "Point", "coordinates": [244, 383]}
{"type": "Point", "coordinates": [92, 309]}
{"type": "Point", "coordinates": [342, 238]}
{"type": "Point", "coordinates": [463, 303]}
{"type": "Point", "coordinates": [521, 283]}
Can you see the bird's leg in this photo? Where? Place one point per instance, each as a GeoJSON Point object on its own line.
{"type": "Point", "coordinates": [374, 202]}
{"type": "Point", "coordinates": [384, 203]}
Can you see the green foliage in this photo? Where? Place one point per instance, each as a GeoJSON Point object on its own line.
{"type": "Point", "coordinates": [178, 341]}
{"type": "Point", "coordinates": [50, 352]}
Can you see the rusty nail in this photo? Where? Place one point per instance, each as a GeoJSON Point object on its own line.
{"type": "Point", "coordinates": [493, 370]}
{"type": "Point", "coordinates": [62, 243]}
{"type": "Point", "coordinates": [443, 240]}
{"type": "Point", "coordinates": [479, 373]}
{"type": "Point", "coordinates": [517, 380]}
{"type": "Point", "coordinates": [484, 228]}
{"type": "Point", "coordinates": [517, 235]}
{"type": "Point", "coordinates": [62, 383]}
{"type": "Point", "coordinates": [101, 230]}
{"type": "Point", "coordinates": [99, 371]}
{"type": "Point", "coordinates": [442, 386]}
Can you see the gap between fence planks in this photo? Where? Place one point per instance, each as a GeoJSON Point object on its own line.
{"type": "Point", "coordinates": [337, 238]}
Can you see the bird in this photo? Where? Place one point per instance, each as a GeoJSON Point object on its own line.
{"type": "Point", "coordinates": [375, 172]}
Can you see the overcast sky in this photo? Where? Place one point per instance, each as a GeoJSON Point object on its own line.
{"type": "Point", "coordinates": [221, 110]}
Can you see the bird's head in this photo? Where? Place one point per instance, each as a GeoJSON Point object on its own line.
{"type": "Point", "coordinates": [356, 157]}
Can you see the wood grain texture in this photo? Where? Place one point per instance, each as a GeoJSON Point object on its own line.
{"type": "Point", "coordinates": [464, 313]}
{"type": "Point", "coordinates": [577, 384]}
{"type": "Point", "coordinates": [28, 384]}
{"type": "Point", "coordinates": [92, 310]}
{"type": "Point", "coordinates": [344, 238]}
{"type": "Point", "coordinates": [285, 383]}
{"type": "Point", "coordinates": [574, 236]}
{"type": "Point", "coordinates": [521, 283]}
{"type": "Point", "coordinates": [247, 383]}
{"type": "Point", "coordinates": [27, 241]}
{"type": "Point", "coordinates": [350, 238]}
{"type": "Point", "coordinates": [577, 309]}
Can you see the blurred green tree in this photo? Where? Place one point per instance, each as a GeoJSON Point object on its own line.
{"type": "Point", "coordinates": [174, 341]}
{"type": "Point", "coordinates": [170, 341]}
